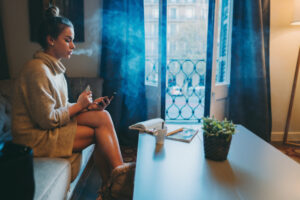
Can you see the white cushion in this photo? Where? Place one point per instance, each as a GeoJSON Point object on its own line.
{"type": "Point", "coordinates": [52, 178]}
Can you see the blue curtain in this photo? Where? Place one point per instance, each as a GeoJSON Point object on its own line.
{"type": "Point", "coordinates": [250, 101]}
{"type": "Point", "coordinates": [123, 64]}
{"type": "Point", "coordinates": [4, 69]}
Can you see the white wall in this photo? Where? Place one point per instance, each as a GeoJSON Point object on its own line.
{"type": "Point", "coordinates": [15, 21]}
{"type": "Point", "coordinates": [284, 45]}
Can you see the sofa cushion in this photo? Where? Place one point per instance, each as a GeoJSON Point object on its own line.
{"type": "Point", "coordinates": [52, 178]}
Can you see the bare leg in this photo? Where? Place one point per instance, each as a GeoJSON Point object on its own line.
{"type": "Point", "coordinates": [97, 127]}
{"type": "Point", "coordinates": [102, 166]}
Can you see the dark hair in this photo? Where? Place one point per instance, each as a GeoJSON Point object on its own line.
{"type": "Point", "coordinates": [52, 24]}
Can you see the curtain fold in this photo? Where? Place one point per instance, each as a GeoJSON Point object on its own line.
{"type": "Point", "coordinates": [123, 64]}
{"type": "Point", "coordinates": [4, 69]}
{"type": "Point", "coordinates": [250, 101]}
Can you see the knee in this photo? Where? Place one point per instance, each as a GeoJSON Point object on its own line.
{"type": "Point", "coordinates": [104, 117]}
{"type": "Point", "coordinates": [104, 114]}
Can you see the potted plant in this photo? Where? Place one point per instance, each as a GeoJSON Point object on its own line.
{"type": "Point", "coordinates": [217, 138]}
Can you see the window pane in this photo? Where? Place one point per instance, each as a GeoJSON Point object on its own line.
{"type": "Point", "coordinates": [151, 41]}
{"type": "Point", "coordinates": [224, 43]}
{"type": "Point", "coordinates": [189, 13]}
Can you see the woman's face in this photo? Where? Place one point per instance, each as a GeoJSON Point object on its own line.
{"type": "Point", "coordinates": [63, 45]}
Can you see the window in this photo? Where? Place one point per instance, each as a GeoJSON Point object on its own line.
{"type": "Point", "coordinates": [189, 12]}
{"type": "Point", "coordinates": [154, 30]}
{"type": "Point", "coordinates": [184, 56]}
{"type": "Point", "coordinates": [172, 49]}
{"type": "Point", "coordinates": [147, 29]}
{"type": "Point", "coordinates": [173, 13]}
{"type": "Point", "coordinates": [172, 29]}
{"type": "Point", "coordinates": [151, 15]}
{"type": "Point", "coordinates": [224, 42]}
{"type": "Point", "coordinates": [155, 13]}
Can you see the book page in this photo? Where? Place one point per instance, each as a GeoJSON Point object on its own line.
{"type": "Point", "coordinates": [148, 125]}
{"type": "Point", "coordinates": [153, 123]}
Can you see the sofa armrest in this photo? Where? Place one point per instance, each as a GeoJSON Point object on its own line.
{"type": "Point", "coordinates": [85, 170]}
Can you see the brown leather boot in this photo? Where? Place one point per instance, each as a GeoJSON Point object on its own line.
{"type": "Point", "coordinates": [122, 178]}
{"type": "Point", "coordinates": [120, 184]}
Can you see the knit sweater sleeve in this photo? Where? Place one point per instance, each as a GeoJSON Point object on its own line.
{"type": "Point", "coordinates": [38, 93]}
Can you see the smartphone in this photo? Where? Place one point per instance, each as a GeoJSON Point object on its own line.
{"type": "Point", "coordinates": [110, 98]}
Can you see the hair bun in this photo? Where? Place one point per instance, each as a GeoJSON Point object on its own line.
{"type": "Point", "coordinates": [52, 11]}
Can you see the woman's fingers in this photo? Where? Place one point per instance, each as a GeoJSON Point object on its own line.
{"type": "Point", "coordinates": [102, 102]}
{"type": "Point", "coordinates": [85, 99]}
{"type": "Point", "coordinates": [98, 100]}
{"type": "Point", "coordinates": [94, 106]}
{"type": "Point", "coordinates": [90, 97]}
{"type": "Point", "coordinates": [106, 100]}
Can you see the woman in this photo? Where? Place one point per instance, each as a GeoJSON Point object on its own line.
{"type": "Point", "coordinates": [44, 119]}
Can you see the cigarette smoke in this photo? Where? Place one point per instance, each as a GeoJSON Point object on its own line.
{"type": "Point", "coordinates": [91, 51]}
{"type": "Point", "coordinates": [92, 33]}
{"type": "Point", "coordinates": [120, 26]}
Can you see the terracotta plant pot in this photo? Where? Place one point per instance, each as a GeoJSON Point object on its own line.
{"type": "Point", "coordinates": [217, 147]}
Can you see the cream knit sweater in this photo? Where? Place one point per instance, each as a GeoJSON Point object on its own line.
{"type": "Point", "coordinates": [40, 117]}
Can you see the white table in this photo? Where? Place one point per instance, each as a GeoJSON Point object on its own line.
{"type": "Point", "coordinates": [254, 170]}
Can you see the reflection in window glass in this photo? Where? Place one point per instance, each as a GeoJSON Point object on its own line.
{"type": "Point", "coordinates": [224, 42]}
{"type": "Point", "coordinates": [151, 14]}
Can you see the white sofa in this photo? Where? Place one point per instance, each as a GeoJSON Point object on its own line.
{"type": "Point", "coordinates": [54, 178]}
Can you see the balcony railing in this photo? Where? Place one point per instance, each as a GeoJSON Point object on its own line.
{"type": "Point", "coordinates": [185, 87]}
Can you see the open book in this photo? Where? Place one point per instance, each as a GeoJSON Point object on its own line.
{"type": "Point", "coordinates": [174, 133]}
{"type": "Point", "coordinates": [148, 126]}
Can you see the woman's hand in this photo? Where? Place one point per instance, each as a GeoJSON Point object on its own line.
{"type": "Point", "coordinates": [85, 99]}
{"type": "Point", "coordinates": [100, 103]}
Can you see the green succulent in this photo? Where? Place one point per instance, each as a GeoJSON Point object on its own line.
{"type": "Point", "coordinates": [214, 127]}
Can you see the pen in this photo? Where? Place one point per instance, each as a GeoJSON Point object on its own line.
{"type": "Point", "coordinates": [175, 131]}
